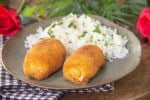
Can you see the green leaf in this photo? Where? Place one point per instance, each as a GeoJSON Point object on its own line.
{"type": "Point", "coordinates": [41, 11]}
{"type": "Point", "coordinates": [123, 14]}
{"type": "Point", "coordinates": [86, 10]}
{"type": "Point", "coordinates": [21, 6]}
{"type": "Point", "coordinates": [124, 6]}
{"type": "Point", "coordinates": [60, 8]}
{"type": "Point", "coordinates": [62, 3]}
{"type": "Point", "coordinates": [121, 20]}
{"type": "Point", "coordinates": [29, 10]}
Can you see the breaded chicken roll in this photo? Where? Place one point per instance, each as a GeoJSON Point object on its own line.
{"type": "Point", "coordinates": [44, 58]}
{"type": "Point", "coordinates": [83, 64]}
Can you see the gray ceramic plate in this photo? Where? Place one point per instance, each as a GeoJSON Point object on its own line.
{"type": "Point", "coordinates": [14, 51]}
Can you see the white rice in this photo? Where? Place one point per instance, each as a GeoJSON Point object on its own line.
{"type": "Point", "coordinates": [75, 32]}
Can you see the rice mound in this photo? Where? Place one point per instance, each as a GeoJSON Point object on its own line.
{"type": "Point", "coordinates": [74, 32]}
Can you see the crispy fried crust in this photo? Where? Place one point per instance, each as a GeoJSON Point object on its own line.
{"type": "Point", "coordinates": [44, 58]}
{"type": "Point", "coordinates": [83, 64]}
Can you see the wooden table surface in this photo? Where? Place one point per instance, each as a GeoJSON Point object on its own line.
{"type": "Point", "coordinates": [134, 86]}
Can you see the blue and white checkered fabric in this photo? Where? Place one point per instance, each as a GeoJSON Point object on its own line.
{"type": "Point", "coordinates": [11, 88]}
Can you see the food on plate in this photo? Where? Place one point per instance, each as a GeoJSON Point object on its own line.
{"type": "Point", "coordinates": [83, 64]}
{"type": "Point", "coordinates": [75, 31]}
{"type": "Point", "coordinates": [81, 31]}
{"type": "Point", "coordinates": [44, 58]}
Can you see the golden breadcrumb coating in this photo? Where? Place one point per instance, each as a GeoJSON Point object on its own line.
{"type": "Point", "coordinates": [83, 64]}
{"type": "Point", "coordinates": [44, 58]}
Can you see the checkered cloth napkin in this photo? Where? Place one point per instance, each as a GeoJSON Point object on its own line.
{"type": "Point", "coordinates": [12, 88]}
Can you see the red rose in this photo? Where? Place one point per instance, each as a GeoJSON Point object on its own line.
{"type": "Point", "coordinates": [143, 23]}
{"type": "Point", "coordinates": [9, 21]}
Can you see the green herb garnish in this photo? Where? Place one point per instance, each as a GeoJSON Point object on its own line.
{"type": "Point", "coordinates": [53, 25]}
{"type": "Point", "coordinates": [52, 36]}
{"type": "Point", "coordinates": [70, 41]}
{"type": "Point", "coordinates": [41, 38]}
{"type": "Point", "coordinates": [91, 39]}
{"type": "Point", "coordinates": [106, 43]}
{"type": "Point", "coordinates": [50, 31]}
{"type": "Point", "coordinates": [72, 24]}
{"type": "Point", "coordinates": [66, 33]}
{"type": "Point", "coordinates": [83, 34]}
{"type": "Point", "coordinates": [83, 23]}
{"type": "Point", "coordinates": [97, 29]}
{"type": "Point", "coordinates": [60, 23]}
